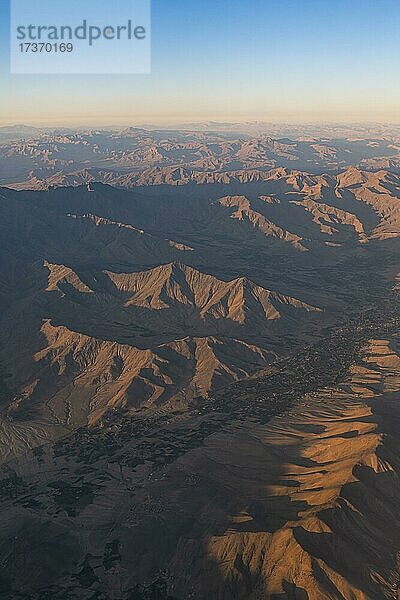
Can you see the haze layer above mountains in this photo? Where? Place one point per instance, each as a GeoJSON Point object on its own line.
{"type": "Point", "coordinates": [199, 367]}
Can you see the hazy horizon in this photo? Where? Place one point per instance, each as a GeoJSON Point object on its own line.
{"type": "Point", "coordinates": [294, 61]}
{"type": "Point", "coordinates": [167, 123]}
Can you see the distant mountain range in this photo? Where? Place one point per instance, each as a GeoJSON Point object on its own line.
{"type": "Point", "coordinates": [36, 159]}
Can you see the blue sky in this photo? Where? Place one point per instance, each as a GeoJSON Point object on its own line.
{"type": "Point", "coordinates": [306, 60]}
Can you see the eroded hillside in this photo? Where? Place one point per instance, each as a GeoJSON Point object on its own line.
{"type": "Point", "coordinates": [209, 505]}
{"type": "Point", "coordinates": [199, 374]}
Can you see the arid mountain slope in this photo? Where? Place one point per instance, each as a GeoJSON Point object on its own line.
{"type": "Point", "coordinates": [199, 364]}
{"type": "Point", "coordinates": [220, 509]}
{"type": "Point", "coordinates": [149, 298]}
{"type": "Point", "coordinates": [107, 340]}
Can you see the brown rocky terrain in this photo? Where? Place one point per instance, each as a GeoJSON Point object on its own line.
{"type": "Point", "coordinates": [199, 370]}
{"type": "Point", "coordinates": [143, 299]}
{"type": "Point", "coordinates": [219, 507]}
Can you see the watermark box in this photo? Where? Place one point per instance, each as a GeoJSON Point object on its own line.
{"type": "Point", "coordinates": [80, 37]}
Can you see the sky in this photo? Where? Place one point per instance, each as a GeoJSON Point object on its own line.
{"type": "Point", "coordinates": [231, 60]}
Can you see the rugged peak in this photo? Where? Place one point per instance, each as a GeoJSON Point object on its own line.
{"type": "Point", "coordinates": [351, 176]}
